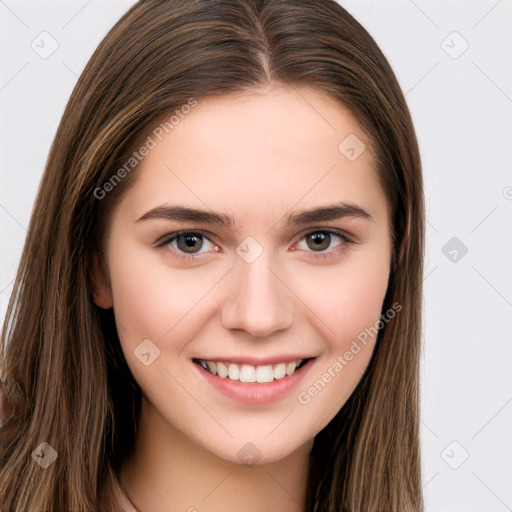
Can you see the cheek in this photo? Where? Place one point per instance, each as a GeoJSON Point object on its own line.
{"type": "Point", "coordinates": [152, 300]}
{"type": "Point", "coordinates": [139, 297]}
{"type": "Point", "coordinates": [155, 302]}
{"type": "Point", "coordinates": [349, 303]}
{"type": "Point", "coordinates": [346, 300]}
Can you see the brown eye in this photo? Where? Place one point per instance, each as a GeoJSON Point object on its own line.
{"type": "Point", "coordinates": [189, 242]}
{"type": "Point", "coordinates": [318, 241]}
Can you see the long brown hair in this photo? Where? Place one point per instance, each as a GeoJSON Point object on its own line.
{"type": "Point", "coordinates": [60, 353]}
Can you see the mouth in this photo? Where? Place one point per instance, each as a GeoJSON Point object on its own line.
{"type": "Point", "coordinates": [260, 383]}
{"type": "Point", "coordinates": [250, 374]}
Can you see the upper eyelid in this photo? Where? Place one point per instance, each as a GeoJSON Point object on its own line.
{"type": "Point", "coordinates": [333, 231]}
{"type": "Point", "coordinates": [165, 239]}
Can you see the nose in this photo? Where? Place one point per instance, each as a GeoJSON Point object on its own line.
{"type": "Point", "coordinates": [258, 303]}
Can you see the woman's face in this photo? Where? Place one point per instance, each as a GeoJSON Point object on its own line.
{"type": "Point", "coordinates": [286, 262]}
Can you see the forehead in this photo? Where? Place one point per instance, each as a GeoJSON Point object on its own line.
{"type": "Point", "coordinates": [261, 152]}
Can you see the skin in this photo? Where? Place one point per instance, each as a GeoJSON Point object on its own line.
{"type": "Point", "coordinates": [257, 157]}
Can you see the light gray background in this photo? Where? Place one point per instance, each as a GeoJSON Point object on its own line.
{"type": "Point", "coordinates": [461, 104]}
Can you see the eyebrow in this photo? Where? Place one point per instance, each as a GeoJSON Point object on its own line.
{"type": "Point", "coordinates": [321, 214]}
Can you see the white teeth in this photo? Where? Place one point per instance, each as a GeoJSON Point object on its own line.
{"type": "Point", "coordinates": [279, 371]}
{"type": "Point", "coordinates": [222, 371]}
{"type": "Point", "coordinates": [249, 373]}
{"type": "Point", "coordinates": [290, 367]}
{"type": "Point", "coordinates": [264, 374]}
{"type": "Point", "coordinates": [234, 372]}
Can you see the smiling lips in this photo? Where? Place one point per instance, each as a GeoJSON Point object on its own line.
{"type": "Point", "coordinates": [251, 383]}
{"type": "Point", "coordinates": [249, 373]}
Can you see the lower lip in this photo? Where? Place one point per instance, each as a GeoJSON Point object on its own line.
{"type": "Point", "coordinates": [255, 393]}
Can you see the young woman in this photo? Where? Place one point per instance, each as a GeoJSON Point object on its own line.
{"type": "Point", "coordinates": [219, 302]}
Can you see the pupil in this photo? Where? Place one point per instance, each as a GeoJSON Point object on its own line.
{"type": "Point", "coordinates": [188, 242]}
{"type": "Point", "coordinates": [320, 241]}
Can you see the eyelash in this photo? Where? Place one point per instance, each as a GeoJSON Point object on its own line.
{"type": "Point", "coordinates": [167, 239]}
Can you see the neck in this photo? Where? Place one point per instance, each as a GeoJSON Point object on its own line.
{"type": "Point", "coordinates": [170, 472]}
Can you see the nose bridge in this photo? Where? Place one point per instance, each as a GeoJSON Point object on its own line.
{"type": "Point", "coordinates": [258, 302]}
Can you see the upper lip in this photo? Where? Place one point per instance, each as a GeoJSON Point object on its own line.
{"type": "Point", "coordinates": [254, 361]}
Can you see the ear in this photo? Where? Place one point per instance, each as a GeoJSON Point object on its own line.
{"type": "Point", "coordinates": [100, 282]}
